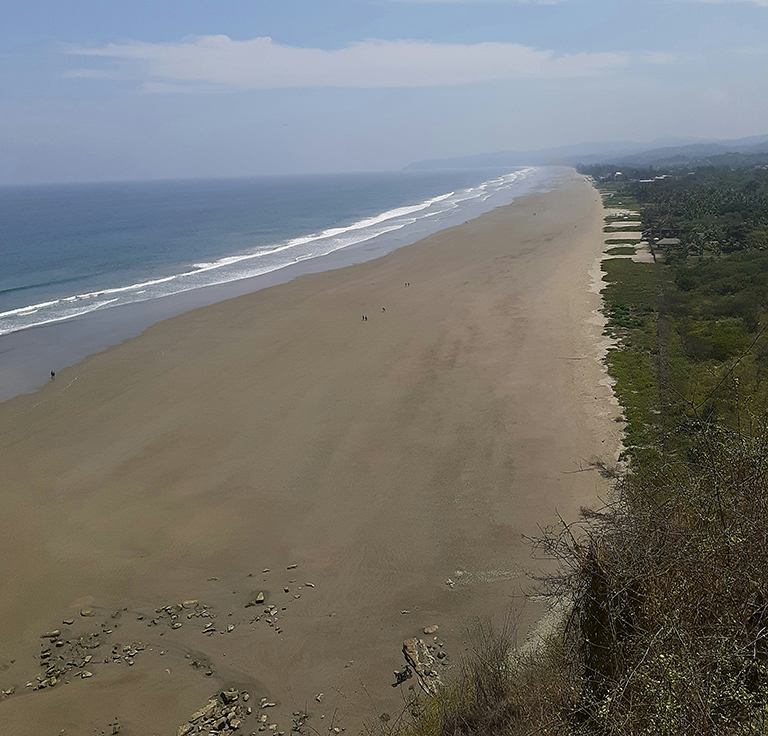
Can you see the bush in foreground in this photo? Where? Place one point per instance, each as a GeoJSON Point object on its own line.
{"type": "Point", "coordinates": [666, 633]}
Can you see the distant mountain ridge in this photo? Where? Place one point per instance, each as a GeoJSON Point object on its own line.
{"type": "Point", "coordinates": [628, 153]}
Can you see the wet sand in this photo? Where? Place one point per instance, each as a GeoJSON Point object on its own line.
{"type": "Point", "coordinates": [381, 457]}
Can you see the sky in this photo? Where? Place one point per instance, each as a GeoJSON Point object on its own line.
{"type": "Point", "coordinates": [96, 90]}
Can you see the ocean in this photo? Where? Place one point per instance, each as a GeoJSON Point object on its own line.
{"type": "Point", "coordinates": [68, 252]}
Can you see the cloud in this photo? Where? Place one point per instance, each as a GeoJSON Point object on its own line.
{"type": "Point", "coordinates": [762, 3]}
{"type": "Point", "coordinates": [88, 74]}
{"type": "Point", "coordinates": [260, 63]}
{"type": "Point", "coordinates": [660, 58]}
{"type": "Point", "coordinates": [516, 2]}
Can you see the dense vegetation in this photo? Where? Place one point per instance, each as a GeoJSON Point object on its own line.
{"type": "Point", "coordinates": [690, 326]}
{"type": "Point", "coordinates": [712, 210]}
{"type": "Point", "coordinates": [665, 590]}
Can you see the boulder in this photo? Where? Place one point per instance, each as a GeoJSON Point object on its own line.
{"type": "Point", "coordinates": [229, 696]}
{"type": "Point", "coordinates": [417, 655]}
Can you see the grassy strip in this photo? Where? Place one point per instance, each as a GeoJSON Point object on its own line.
{"type": "Point", "coordinates": [630, 303]}
{"type": "Point", "coordinates": [630, 297]}
{"type": "Point", "coordinates": [623, 251]}
{"type": "Point", "coordinates": [615, 197]}
{"type": "Point", "coordinates": [621, 241]}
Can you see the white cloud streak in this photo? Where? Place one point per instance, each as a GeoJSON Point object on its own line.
{"type": "Point", "coordinates": [260, 63]}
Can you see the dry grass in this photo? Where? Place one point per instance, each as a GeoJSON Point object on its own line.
{"type": "Point", "coordinates": [499, 691]}
{"type": "Point", "coordinates": [667, 631]}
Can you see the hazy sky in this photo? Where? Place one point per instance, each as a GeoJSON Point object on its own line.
{"type": "Point", "coordinates": [103, 89]}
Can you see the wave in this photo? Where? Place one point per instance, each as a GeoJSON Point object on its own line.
{"type": "Point", "coordinates": [257, 262]}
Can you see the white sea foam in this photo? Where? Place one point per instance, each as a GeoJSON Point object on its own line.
{"type": "Point", "coordinates": [257, 262]}
{"type": "Point", "coordinates": [69, 315]}
{"type": "Point", "coordinates": [29, 310]}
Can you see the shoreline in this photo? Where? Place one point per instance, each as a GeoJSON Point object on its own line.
{"type": "Point", "coordinates": [383, 458]}
{"type": "Point", "coordinates": [30, 354]}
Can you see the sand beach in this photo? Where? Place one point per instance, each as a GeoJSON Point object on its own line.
{"type": "Point", "coordinates": [360, 478]}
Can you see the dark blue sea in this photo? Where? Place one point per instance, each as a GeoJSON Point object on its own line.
{"type": "Point", "coordinates": [68, 250]}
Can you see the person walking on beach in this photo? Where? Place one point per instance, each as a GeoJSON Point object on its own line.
{"type": "Point", "coordinates": [53, 374]}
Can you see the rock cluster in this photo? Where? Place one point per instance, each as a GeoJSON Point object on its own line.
{"type": "Point", "coordinates": [271, 618]}
{"type": "Point", "coordinates": [228, 712]}
{"type": "Point", "coordinates": [85, 643]}
{"type": "Point", "coordinates": [270, 615]}
{"type": "Point", "coordinates": [223, 714]}
{"type": "Point", "coordinates": [175, 614]}
{"type": "Point", "coordinates": [125, 653]}
{"type": "Point", "coordinates": [64, 658]}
